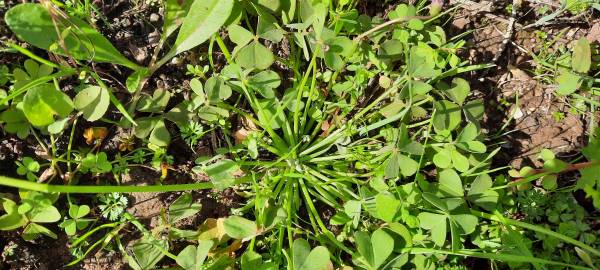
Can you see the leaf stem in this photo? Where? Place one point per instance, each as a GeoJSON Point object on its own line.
{"type": "Point", "coordinates": [23, 184]}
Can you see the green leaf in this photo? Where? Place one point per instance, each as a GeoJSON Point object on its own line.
{"type": "Point", "coordinates": [443, 159]}
{"type": "Point", "coordinates": [43, 102]}
{"type": "Point", "coordinates": [255, 56]}
{"type": "Point", "coordinates": [93, 101]}
{"type": "Point", "coordinates": [183, 207]}
{"type": "Point", "coordinates": [481, 193]}
{"type": "Point", "coordinates": [450, 183]}
{"type": "Point", "coordinates": [568, 83]}
{"type": "Point", "coordinates": [192, 257]}
{"type": "Point", "coordinates": [300, 251]}
{"type": "Point", "coordinates": [459, 91]}
{"type": "Point", "coordinates": [474, 110]}
{"type": "Point", "coordinates": [364, 246]}
{"type": "Point", "coordinates": [466, 222]}
{"type": "Point", "coordinates": [78, 211]}
{"type": "Point", "coordinates": [33, 231]}
{"type": "Point", "coordinates": [469, 133]}
{"type": "Point", "coordinates": [392, 168]}
{"type": "Point", "coordinates": [160, 135]}
{"type": "Point", "coordinates": [239, 35]}
{"type": "Point", "coordinates": [70, 226]}
{"type": "Point", "coordinates": [386, 206]}
{"type": "Point", "coordinates": [422, 62]}
{"type": "Point", "coordinates": [415, 24]}
{"type": "Point", "coordinates": [58, 126]}
{"type": "Point", "coordinates": [265, 81]}
{"type": "Point", "coordinates": [135, 79]}
{"type": "Point", "coordinates": [157, 103]}
{"type": "Point", "coordinates": [269, 108]}
{"type": "Point", "coordinates": [204, 19]}
{"type": "Point", "coordinates": [403, 231]}
{"type": "Point", "coordinates": [546, 154]}
{"type": "Point", "coordinates": [436, 223]}
{"type": "Point", "coordinates": [33, 24]}
{"type": "Point", "coordinates": [267, 29]}
{"type": "Point", "coordinates": [581, 61]}
{"type": "Point", "coordinates": [240, 228]}
{"type": "Point", "coordinates": [222, 172]}
{"type": "Point", "coordinates": [408, 166]}
{"type": "Point", "coordinates": [383, 245]}
{"type": "Point", "coordinates": [317, 259]}
{"type": "Point", "coordinates": [447, 115]}
{"type": "Point", "coordinates": [216, 90]}
{"type": "Point", "coordinates": [549, 182]}
{"type": "Point", "coordinates": [15, 121]}
{"type": "Point", "coordinates": [460, 162]}
{"type": "Point", "coordinates": [148, 251]}
{"type": "Point", "coordinates": [435, 201]}
{"type": "Point", "coordinates": [187, 258]}
{"type": "Point", "coordinates": [145, 127]}
{"type": "Point", "coordinates": [175, 11]}
{"type": "Point", "coordinates": [12, 219]}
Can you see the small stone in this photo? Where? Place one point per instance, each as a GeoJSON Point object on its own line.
{"type": "Point", "coordinates": [154, 37]}
{"type": "Point", "coordinates": [154, 17]}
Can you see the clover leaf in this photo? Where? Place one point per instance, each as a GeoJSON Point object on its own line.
{"type": "Point", "coordinates": [28, 167]}
{"type": "Point", "coordinates": [76, 222]}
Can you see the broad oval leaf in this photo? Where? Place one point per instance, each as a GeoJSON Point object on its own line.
{"type": "Point", "coordinates": [204, 18]}
{"type": "Point", "coordinates": [240, 228]}
{"type": "Point", "coordinates": [582, 56]}
{"type": "Point", "coordinates": [43, 102]}
{"type": "Point", "coordinates": [33, 24]}
{"type": "Point", "coordinates": [175, 11]}
{"type": "Point", "coordinates": [93, 101]}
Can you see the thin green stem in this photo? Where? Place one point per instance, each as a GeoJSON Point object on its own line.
{"type": "Point", "coordinates": [23, 184]}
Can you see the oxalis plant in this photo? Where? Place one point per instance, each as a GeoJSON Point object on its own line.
{"type": "Point", "coordinates": [356, 143]}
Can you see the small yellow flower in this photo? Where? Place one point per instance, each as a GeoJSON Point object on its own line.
{"type": "Point", "coordinates": [95, 135]}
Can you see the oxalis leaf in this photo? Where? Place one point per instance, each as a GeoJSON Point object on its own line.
{"type": "Point", "coordinates": [204, 18]}
{"type": "Point", "coordinates": [255, 55]}
{"type": "Point", "coordinates": [376, 248]}
{"type": "Point", "coordinates": [305, 259]}
{"type": "Point", "coordinates": [33, 24]}
{"type": "Point", "coordinates": [43, 102]}
{"type": "Point", "coordinates": [93, 101]}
